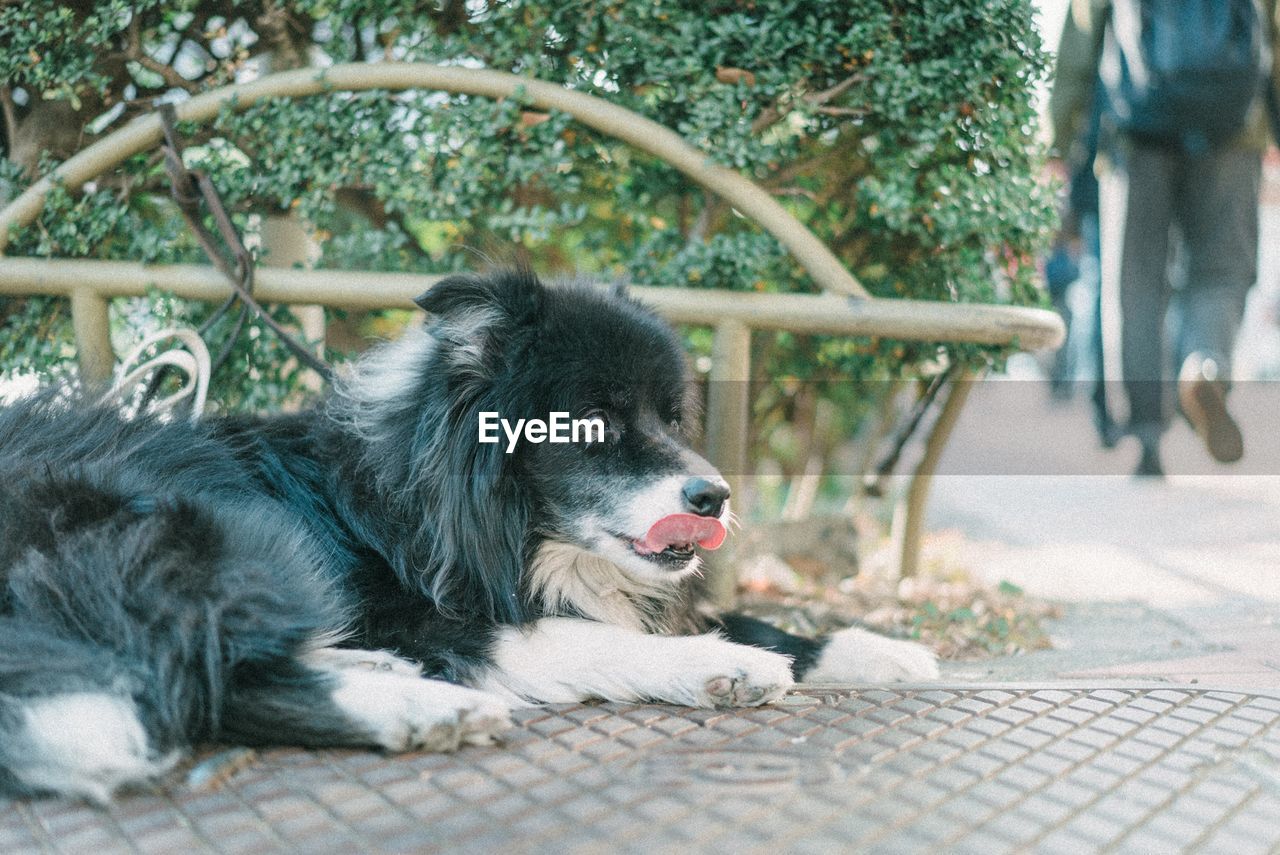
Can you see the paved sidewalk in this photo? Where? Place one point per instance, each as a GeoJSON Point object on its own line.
{"type": "Point", "coordinates": [1176, 580]}
{"type": "Point", "coordinates": [954, 769]}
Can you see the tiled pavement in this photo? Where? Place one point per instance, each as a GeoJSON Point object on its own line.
{"type": "Point", "coordinates": [826, 770]}
{"type": "Point", "coordinates": [1176, 582]}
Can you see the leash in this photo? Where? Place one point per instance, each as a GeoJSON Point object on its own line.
{"type": "Point", "coordinates": [873, 483]}
{"type": "Point", "coordinates": [191, 357]}
{"type": "Point", "coordinates": [194, 194]}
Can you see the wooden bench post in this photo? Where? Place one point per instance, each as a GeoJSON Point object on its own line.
{"type": "Point", "coordinates": [913, 507]}
{"type": "Point", "coordinates": [91, 323]}
{"type": "Point", "coordinates": [728, 412]}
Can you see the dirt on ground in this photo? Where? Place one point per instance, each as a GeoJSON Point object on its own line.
{"type": "Point", "coordinates": [943, 606]}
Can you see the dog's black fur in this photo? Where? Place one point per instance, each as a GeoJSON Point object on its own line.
{"type": "Point", "coordinates": [191, 569]}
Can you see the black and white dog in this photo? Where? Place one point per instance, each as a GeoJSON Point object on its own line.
{"type": "Point", "coordinates": [370, 573]}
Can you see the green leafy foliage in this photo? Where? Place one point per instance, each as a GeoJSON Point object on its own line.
{"type": "Point", "coordinates": [900, 131]}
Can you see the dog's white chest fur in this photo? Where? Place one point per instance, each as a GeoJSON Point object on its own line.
{"type": "Point", "coordinates": [563, 576]}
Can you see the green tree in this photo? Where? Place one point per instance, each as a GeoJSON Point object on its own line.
{"type": "Point", "coordinates": [900, 131]}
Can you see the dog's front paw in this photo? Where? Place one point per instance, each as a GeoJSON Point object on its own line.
{"type": "Point", "coordinates": [336, 658]}
{"type": "Point", "coordinates": [721, 674]}
{"type": "Point", "coordinates": [857, 656]}
{"type": "Point", "coordinates": [402, 713]}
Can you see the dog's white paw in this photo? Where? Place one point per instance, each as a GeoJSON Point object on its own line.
{"type": "Point", "coordinates": [563, 660]}
{"type": "Point", "coordinates": [855, 655]}
{"type": "Point", "coordinates": [718, 673]}
{"type": "Point", "coordinates": [339, 658]}
{"type": "Point", "coordinates": [403, 712]}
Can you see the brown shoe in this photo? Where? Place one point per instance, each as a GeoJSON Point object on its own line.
{"type": "Point", "coordinates": [1204, 402]}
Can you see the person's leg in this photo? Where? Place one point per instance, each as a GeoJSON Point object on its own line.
{"type": "Point", "coordinates": [1137, 195]}
{"type": "Point", "coordinates": [1218, 210]}
{"type": "Point", "coordinates": [1091, 281]}
{"type": "Point", "coordinates": [1061, 270]}
{"type": "Point", "coordinates": [1219, 214]}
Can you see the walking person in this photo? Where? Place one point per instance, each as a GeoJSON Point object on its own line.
{"type": "Point", "coordinates": [1076, 138]}
{"type": "Point", "coordinates": [1184, 125]}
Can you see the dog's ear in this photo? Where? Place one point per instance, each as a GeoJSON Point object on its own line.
{"type": "Point", "coordinates": [452, 293]}
{"type": "Point", "coordinates": [514, 295]}
{"type": "Point", "coordinates": [477, 319]}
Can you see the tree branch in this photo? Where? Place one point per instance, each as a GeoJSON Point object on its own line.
{"type": "Point", "coordinates": [450, 18]}
{"type": "Point", "coordinates": [835, 91]}
{"type": "Point", "coordinates": [846, 112]}
{"type": "Point", "coordinates": [283, 35]}
{"type": "Point", "coordinates": [795, 191]}
{"type": "Point", "coordinates": [773, 114]}
{"type": "Point", "coordinates": [362, 202]}
{"type": "Point", "coordinates": [10, 116]}
{"type": "Point", "coordinates": [702, 222]}
{"type": "Point", "coordinates": [170, 75]}
{"type": "Point", "coordinates": [135, 51]}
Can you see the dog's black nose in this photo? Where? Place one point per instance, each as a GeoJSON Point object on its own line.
{"type": "Point", "coordinates": [705, 498]}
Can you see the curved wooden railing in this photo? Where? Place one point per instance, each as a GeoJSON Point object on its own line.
{"type": "Point", "coordinates": [846, 308]}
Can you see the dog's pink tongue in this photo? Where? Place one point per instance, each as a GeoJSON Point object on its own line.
{"type": "Point", "coordinates": [684, 528]}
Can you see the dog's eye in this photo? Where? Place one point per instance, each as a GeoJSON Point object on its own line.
{"type": "Point", "coordinates": [611, 432]}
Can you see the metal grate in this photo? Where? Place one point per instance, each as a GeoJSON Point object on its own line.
{"type": "Point", "coordinates": [827, 770]}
